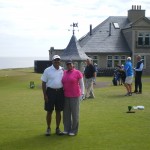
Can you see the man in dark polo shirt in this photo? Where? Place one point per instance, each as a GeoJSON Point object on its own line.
{"type": "Point", "coordinates": [53, 93]}
{"type": "Point", "coordinates": [138, 75]}
{"type": "Point", "coordinates": [90, 75]}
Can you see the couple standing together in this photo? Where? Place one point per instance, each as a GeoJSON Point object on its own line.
{"type": "Point", "coordinates": [62, 91]}
{"type": "Point", "coordinates": [129, 76]}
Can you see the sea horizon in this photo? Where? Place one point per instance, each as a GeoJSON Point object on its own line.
{"type": "Point", "coordinates": [19, 62]}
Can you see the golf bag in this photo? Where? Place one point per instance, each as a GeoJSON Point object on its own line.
{"type": "Point", "coordinates": [116, 77]}
{"type": "Point", "coordinates": [114, 81]}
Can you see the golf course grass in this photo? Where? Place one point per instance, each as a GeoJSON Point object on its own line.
{"type": "Point", "coordinates": [104, 123]}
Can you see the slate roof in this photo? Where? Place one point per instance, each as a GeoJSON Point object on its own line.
{"type": "Point", "coordinates": [101, 42]}
{"type": "Point", "coordinates": [73, 51]}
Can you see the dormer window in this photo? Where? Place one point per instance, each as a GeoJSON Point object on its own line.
{"type": "Point", "coordinates": [147, 39]}
{"type": "Point", "coordinates": [144, 39]}
{"type": "Point", "coordinates": [140, 39]}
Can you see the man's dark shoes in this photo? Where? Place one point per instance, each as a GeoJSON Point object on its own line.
{"type": "Point", "coordinates": [58, 132]}
{"type": "Point", "coordinates": [138, 92]}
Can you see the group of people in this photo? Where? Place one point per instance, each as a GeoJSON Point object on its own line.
{"type": "Point", "coordinates": [63, 90]}
{"type": "Point", "coordinates": [130, 72]}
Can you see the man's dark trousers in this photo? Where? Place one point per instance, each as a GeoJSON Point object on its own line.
{"type": "Point", "coordinates": [138, 81]}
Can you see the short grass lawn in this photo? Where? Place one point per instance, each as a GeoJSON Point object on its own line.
{"type": "Point", "coordinates": [104, 123]}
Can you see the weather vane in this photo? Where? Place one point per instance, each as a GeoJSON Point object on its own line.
{"type": "Point", "coordinates": [74, 25]}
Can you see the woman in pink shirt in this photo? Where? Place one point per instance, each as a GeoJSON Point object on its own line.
{"type": "Point", "coordinates": [73, 90]}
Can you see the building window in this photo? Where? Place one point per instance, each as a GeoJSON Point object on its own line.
{"type": "Point", "coordinates": [123, 60]}
{"type": "Point", "coordinates": [140, 39]}
{"type": "Point", "coordinates": [147, 39]}
{"type": "Point", "coordinates": [94, 58]}
{"type": "Point", "coordinates": [144, 39]}
{"type": "Point", "coordinates": [116, 25]}
{"type": "Point", "coordinates": [114, 61]}
{"type": "Point", "coordinates": [109, 61]}
{"type": "Point", "coordinates": [144, 61]}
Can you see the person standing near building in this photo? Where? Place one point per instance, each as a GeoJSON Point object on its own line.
{"type": "Point", "coordinates": [73, 90]}
{"type": "Point", "coordinates": [138, 75]}
{"type": "Point", "coordinates": [90, 77]}
{"type": "Point", "coordinates": [96, 69]}
{"type": "Point", "coordinates": [129, 76]}
{"type": "Point", "coordinates": [53, 93]}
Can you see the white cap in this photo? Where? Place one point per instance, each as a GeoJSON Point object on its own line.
{"type": "Point", "coordinates": [56, 57]}
{"type": "Point", "coordinates": [128, 58]}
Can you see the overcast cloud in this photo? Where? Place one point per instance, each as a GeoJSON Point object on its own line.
{"type": "Point", "coordinates": [31, 27]}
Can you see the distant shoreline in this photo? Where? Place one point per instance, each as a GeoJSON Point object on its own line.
{"type": "Point", "coordinates": [17, 68]}
{"type": "Point", "coordinates": [18, 62]}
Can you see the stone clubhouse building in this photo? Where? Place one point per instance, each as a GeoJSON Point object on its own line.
{"type": "Point", "coordinates": [113, 40]}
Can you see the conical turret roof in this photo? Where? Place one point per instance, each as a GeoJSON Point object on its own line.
{"type": "Point", "coordinates": [73, 51]}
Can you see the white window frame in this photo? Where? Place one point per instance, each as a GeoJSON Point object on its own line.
{"type": "Point", "coordinates": [144, 60]}
{"type": "Point", "coordinates": [110, 58]}
{"type": "Point", "coordinates": [122, 59]}
{"type": "Point", "coordinates": [93, 59]}
{"type": "Point", "coordinates": [143, 35]}
{"type": "Point", "coordinates": [116, 25]}
{"type": "Point", "coordinates": [114, 58]}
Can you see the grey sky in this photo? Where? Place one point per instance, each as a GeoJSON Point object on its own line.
{"type": "Point", "coordinates": [30, 28]}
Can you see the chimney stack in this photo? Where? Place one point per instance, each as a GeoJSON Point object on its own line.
{"type": "Point", "coordinates": [135, 13]}
{"type": "Point", "coordinates": [138, 7]}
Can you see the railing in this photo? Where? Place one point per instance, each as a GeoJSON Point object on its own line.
{"type": "Point", "coordinates": [105, 72]}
